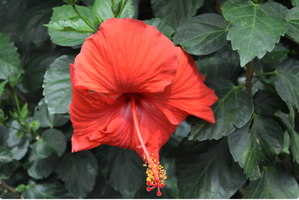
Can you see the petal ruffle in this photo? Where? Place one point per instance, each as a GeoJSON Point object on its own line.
{"type": "Point", "coordinates": [124, 56]}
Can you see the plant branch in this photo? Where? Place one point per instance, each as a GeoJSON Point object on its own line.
{"type": "Point", "coordinates": [266, 73]}
{"type": "Point", "coordinates": [17, 100]}
{"type": "Point", "coordinates": [75, 8]}
{"type": "Point", "coordinates": [249, 77]}
{"type": "Point", "coordinates": [9, 189]}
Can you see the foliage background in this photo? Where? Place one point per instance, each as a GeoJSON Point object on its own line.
{"type": "Point", "coordinates": [247, 49]}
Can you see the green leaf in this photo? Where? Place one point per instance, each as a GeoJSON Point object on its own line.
{"type": "Point", "coordinates": [254, 29]}
{"type": "Point", "coordinates": [277, 55]}
{"type": "Point", "coordinates": [295, 2]}
{"type": "Point", "coordinates": [78, 171]}
{"type": "Point", "coordinates": [56, 140]}
{"type": "Point", "coordinates": [89, 3]}
{"type": "Point", "coordinates": [207, 170]}
{"type": "Point", "coordinates": [275, 183]}
{"type": "Point", "coordinates": [106, 9]}
{"type": "Point", "coordinates": [45, 191]}
{"type": "Point", "coordinates": [42, 168]}
{"type": "Point", "coordinates": [9, 57]}
{"type": "Point", "coordinates": [161, 26]}
{"type": "Point", "coordinates": [5, 155]}
{"type": "Point", "coordinates": [234, 107]}
{"type": "Point", "coordinates": [175, 12]}
{"type": "Point", "coordinates": [2, 117]}
{"type": "Point", "coordinates": [31, 22]}
{"type": "Point", "coordinates": [75, 23]}
{"type": "Point", "coordinates": [42, 149]}
{"type": "Point", "coordinates": [41, 113]}
{"type": "Point", "coordinates": [57, 85]}
{"type": "Point", "coordinates": [20, 188]}
{"type": "Point", "coordinates": [35, 63]}
{"type": "Point", "coordinates": [122, 169]}
{"type": "Point", "coordinates": [267, 103]}
{"type": "Point", "coordinates": [287, 82]}
{"type": "Point", "coordinates": [224, 63]}
{"type": "Point", "coordinates": [68, 38]}
{"type": "Point", "coordinates": [7, 169]}
{"type": "Point", "coordinates": [292, 20]}
{"type": "Point", "coordinates": [203, 34]}
{"type": "Point", "coordinates": [256, 146]}
{"type": "Point", "coordinates": [71, 2]}
{"type": "Point", "coordinates": [2, 85]}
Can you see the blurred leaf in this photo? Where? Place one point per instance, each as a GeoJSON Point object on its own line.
{"type": "Point", "coordinates": [277, 55]}
{"type": "Point", "coordinates": [287, 82]}
{"type": "Point", "coordinates": [68, 38]}
{"type": "Point", "coordinates": [31, 22]}
{"type": "Point", "coordinates": [57, 85]}
{"type": "Point", "coordinates": [45, 191]}
{"type": "Point", "coordinates": [71, 2]}
{"type": "Point", "coordinates": [203, 34]}
{"type": "Point", "coordinates": [256, 146]}
{"type": "Point", "coordinates": [78, 171]}
{"type": "Point", "coordinates": [295, 2]}
{"type": "Point", "coordinates": [20, 188]}
{"type": "Point", "coordinates": [42, 149]}
{"type": "Point", "coordinates": [254, 29]}
{"type": "Point", "coordinates": [207, 170]}
{"type": "Point", "coordinates": [234, 107]}
{"type": "Point", "coordinates": [176, 11]}
{"type": "Point", "coordinates": [267, 103]}
{"type": "Point", "coordinates": [122, 168]}
{"type": "Point", "coordinates": [7, 169]}
{"type": "Point", "coordinates": [224, 63]}
{"type": "Point", "coordinates": [55, 139]}
{"type": "Point", "coordinates": [292, 19]}
{"type": "Point", "coordinates": [2, 85]}
{"type": "Point", "coordinates": [35, 63]}
{"type": "Point", "coordinates": [161, 26]}
{"type": "Point", "coordinates": [2, 117]}
{"type": "Point", "coordinates": [41, 113]}
{"type": "Point", "coordinates": [106, 9]}
{"type": "Point", "coordinates": [5, 155]}
{"type": "Point", "coordinates": [275, 183]}
{"type": "Point", "coordinates": [42, 168]}
{"type": "Point", "coordinates": [89, 3]}
{"type": "Point", "coordinates": [9, 57]}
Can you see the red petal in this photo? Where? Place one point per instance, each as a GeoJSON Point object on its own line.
{"type": "Point", "coordinates": [187, 94]}
{"type": "Point", "coordinates": [126, 55]}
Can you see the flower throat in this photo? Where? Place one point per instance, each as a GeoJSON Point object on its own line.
{"type": "Point", "coordinates": [155, 172]}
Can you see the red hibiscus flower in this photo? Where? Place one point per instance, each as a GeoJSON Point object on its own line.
{"type": "Point", "coordinates": [131, 87]}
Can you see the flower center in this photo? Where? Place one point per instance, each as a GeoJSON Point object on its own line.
{"type": "Point", "coordinates": [155, 172]}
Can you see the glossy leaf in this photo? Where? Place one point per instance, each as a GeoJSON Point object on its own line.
{"type": "Point", "coordinates": [292, 20]}
{"type": "Point", "coordinates": [69, 37]}
{"type": "Point", "coordinates": [122, 169]}
{"type": "Point", "coordinates": [42, 168]}
{"type": "Point", "coordinates": [267, 103]}
{"type": "Point", "coordinates": [161, 26]}
{"type": "Point", "coordinates": [9, 57]}
{"type": "Point", "coordinates": [277, 55]}
{"type": "Point", "coordinates": [207, 170]}
{"type": "Point", "coordinates": [31, 27]}
{"type": "Point", "coordinates": [41, 113]}
{"type": "Point", "coordinates": [254, 29]}
{"type": "Point", "coordinates": [45, 191]}
{"type": "Point", "coordinates": [287, 82]}
{"type": "Point", "coordinates": [5, 155]}
{"type": "Point", "coordinates": [57, 85]}
{"type": "Point", "coordinates": [234, 107]}
{"type": "Point", "coordinates": [7, 169]}
{"type": "Point", "coordinates": [106, 9]}
{"type": "Point", "coordinates": [42, 149]}
{"type": "Point", "coordinates": [56, 139]}
{"type": "Point", "coordinates": [202, 35]}
{"type": "Point", "coordinates": [176, 11]}
{"type": "Point", "coordinates": [275, 183]}
{"type": "Point", "coordinates": [78, 171]}
{"type": "Point", "coordinates": [256, 146]}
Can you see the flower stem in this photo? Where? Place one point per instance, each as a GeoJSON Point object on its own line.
{"type": "Point", "coordinates": [75, 8]}
{"type": "Point", "coordinates": [249, 77]}
{"type": "Point", "coordinates": [9, 189]}
{"type": "Point", "coordinates": [17, 101]}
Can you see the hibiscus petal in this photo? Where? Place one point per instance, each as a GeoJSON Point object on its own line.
{"type": "Point", "coordinates": [126, 55]}
{"type": "Point", "coordinates": [187, 94]}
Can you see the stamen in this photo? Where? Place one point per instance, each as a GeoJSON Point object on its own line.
{"type": "Point", "coordinates": [155, 172]}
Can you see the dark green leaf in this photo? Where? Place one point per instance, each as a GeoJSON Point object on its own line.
{"type": "Point", "coordinates": [31, 22]}
{"type": "Point", "coordinates": [7, 169]}
{"type": "Point", "coordinates": [203, 34]}
{"type": "Point", "coordinates": [2, 117]}
{"type": "Point", "coordinates": [71, 2]}
{"type": "Point", "coordinates": [224, 63]}
{"type": "Point", "coordinates": [275, 183]}
{"type": "Point", "coordinates": [55, 139]}
{"type": "Point", "coordinates": [287, 82]}
{"type": "Point", "coordinates": [277, 55]}
{"type": "Point", "coordinates": [42, 149]}
{"type": "Point", "coordinates": [2, 85]}
{"type": "Point", "coordinates": [68, 38]}
{"type": "Point", "coordinates": [78, 171]}
{"type": "Point", "coordinates": [282, 10]}
{"type": "Point", "coordinates": [41, 113]}
{"type": "Point", "coordinates": [57, 85]}
{"type": "Point", "coordinates": [254, 29]}
{"type": "Point", "coordinates": [161, 26]}
{"type": "Point", "coordinates": [292, 20]}
{"type": "Point", "coordinates": [122, 168]}
{"type": "Point", "coordinates": [5, 155]}
{"type": "Point", "coordinates": [45, 191]}
{"type": "Point", "coordinates": [234, 107]}
{"type": "Point", "coordinates": [42, 168]}
{"type": "Point", "coordinates": [207, 170]}
{"type": "Point", "coordinates": [267, 103]}
{"type": "Point", "coordinates": [9, 57]}
{"type": "Point", "coordinates": [295, 2]}
{"type": "Point", "coordinates": [256, 146]}
{"type": "Point", "coordinates": [176, 11]}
